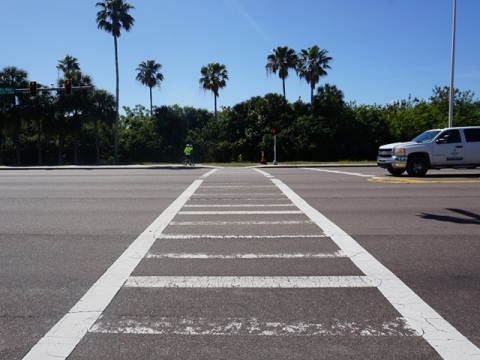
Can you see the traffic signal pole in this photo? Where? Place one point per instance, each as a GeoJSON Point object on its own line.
{"type": "Point", "coordinates": [275, 150]}
{"type": "Point", "coordinates": [274, 132]}
{"type": "Point", "coordinates": [27, 90]}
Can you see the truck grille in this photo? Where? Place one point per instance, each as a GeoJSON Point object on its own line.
{"type": "Point", "coordinates": [385, 153]}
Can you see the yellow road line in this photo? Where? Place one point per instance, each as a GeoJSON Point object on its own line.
{"type": "Point", "coordinates": [407, 180]}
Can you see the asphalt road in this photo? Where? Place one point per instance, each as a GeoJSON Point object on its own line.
{"type": "Point", "coordinates": [239, 263]}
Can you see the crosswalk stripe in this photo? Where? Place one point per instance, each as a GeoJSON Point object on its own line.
{"type": "Point", "coordinates": [211, 236]}
{"type": "Point", "coordinates": [249, 326]}
{"type": "Point", "coordinates": [233, 222]}
{"type": "Point", "coordinates": [272, 212]}
{"type": "Point", "coordinates": [336, 254]}
{"type": "Point", "coordinates": [238, 205]}
{"type": "Point", "coordinates": [252, 281]}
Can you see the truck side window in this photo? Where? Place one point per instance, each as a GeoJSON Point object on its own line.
{"type": "Point", "coordinates": [472, 135]}
{"type": "Point", "coordinates": [451, 136]}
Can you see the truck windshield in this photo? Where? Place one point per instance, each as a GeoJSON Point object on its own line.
{"type": "Point", "coordinates": [427, 136]}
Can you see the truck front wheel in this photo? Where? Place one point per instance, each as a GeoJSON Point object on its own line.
{"type": "Point", "coordinates": [417, 166]}
{"type": "Point", "coordinates": [395, 172]}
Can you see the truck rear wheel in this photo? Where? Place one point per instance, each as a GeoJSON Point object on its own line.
{"type": "Point", "coordinates": [395, 172]}
{"type": "Point", "coordinates": [417, 166]}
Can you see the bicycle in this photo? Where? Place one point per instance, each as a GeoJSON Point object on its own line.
{"type": "Point", "coordinates": [188, 160]}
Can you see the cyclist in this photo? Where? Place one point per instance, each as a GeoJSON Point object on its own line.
{"type": "Point", "coordinates": [188, 154]}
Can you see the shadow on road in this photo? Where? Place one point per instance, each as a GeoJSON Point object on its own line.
{"type": "Point", "coordinates": [463, 217]}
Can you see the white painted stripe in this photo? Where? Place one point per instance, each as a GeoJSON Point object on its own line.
{"type": "Point", "coordinates": [219, 195]}
{"type": "Point", "coordinates": [341, 172]}
{"type": "Point", "coordinates": [248, 186]}
{"type": "Point", "coordinates": [253, 212]}
{"type": "Point", "coordinates": [442, 336]}
{"type": "Point", "coordinates": [208, 174]}
{"type": "Point", "coordinates": [239, 205]}
{"type": "Point", "coordinates": [337, 254]}
{"type": "Point", "coordinates": [211, 236]}
{"type": "Point", "coordinates": [223, 223]}
{"type": "Point", "coordinates": [60, 341]}
{"type": "Point", "coordinates": [264, 173]}
{"type": "Point", "coordinates": [252, 282]}
{"type": "Point", "coordinates": [258, 198]}
{"type": "Point", "coordinates": [249, 326]}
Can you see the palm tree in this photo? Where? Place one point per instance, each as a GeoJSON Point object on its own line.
{"type": "Point", "coordinates": [214, 77]}
{"type": "Point", "coordinates": [72, 108]}
{"type": "Point", "coordinates": [11, 76]}
{"type": "Point", "coordinates": [101, 109]}
{"type": "Point", "coordinates": [281, 59]}
{"type": "Point", "coordinates": [149, 75]}
{"type": "Point", "coordinates": [113, 17]}
{"type": "Point", "coordinates": [69, 66]}
{"type": "Point", "coordinates": [311, 66]}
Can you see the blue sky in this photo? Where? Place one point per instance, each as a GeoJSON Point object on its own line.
{"type": "Point", "coordinates": [383, 50]}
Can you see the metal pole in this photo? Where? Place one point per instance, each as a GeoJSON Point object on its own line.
{"type": "Point", "coordinates": [452, 68]}
{"type": "Point", "coordinates": [275, 150]}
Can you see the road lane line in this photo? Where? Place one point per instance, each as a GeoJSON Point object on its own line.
{"type": "Point", "coordinates": [440, 334]}
{"type": "Point", "coordinates": [284, 282]}
{"type": "Point", "coordinates": [341, 172]}
{"type": "Point", "coordinates": [250, 326]}
{"type": "Point", "coordinates": [409, 180]}
{"type": "Point", "coordinates": [60, 341]}
{"type": "Point", "coordinates": [336, 254]}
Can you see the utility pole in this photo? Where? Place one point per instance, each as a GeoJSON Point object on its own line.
{"type": "Point", "coordinates": [274, 132]}
{"type": "Point", "coordinates": [452, 68]}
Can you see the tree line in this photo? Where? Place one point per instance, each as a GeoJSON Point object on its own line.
{"type": "Point", "coordinates": [56, 129]}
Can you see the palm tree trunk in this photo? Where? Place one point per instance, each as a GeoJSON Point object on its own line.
{"type": "Point", "coordinates": [117, 92]}
{"type": "Point", "coordinates": [151, 113]}
{"type": "Point", "coordinates": [284, 93]}
{"type": "Point", "coordinates": [312, 104]}
{"type": "Point", "coordinates": [215, 104]}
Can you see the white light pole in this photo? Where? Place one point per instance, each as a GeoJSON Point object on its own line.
{"type": "Point", "coordinates": [274, 132]}
{"type": "Point", "coordinates": [452, 68]}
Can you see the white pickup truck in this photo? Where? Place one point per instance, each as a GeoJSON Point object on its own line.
{"type": "Point", "coordinates": [456, 147]}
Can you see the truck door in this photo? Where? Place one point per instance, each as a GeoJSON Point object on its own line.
{"type": "Point", "coordinates": [448, 148]}
{"type": "Point", "coordinates": [472, 144]}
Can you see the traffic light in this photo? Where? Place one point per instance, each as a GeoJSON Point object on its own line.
{"type": "Point", "coordinates": [68, 87]}
{"type": "Point", "coordinates": [33, 88]}
{"type": "Point", "coordinates": [274, 131]}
